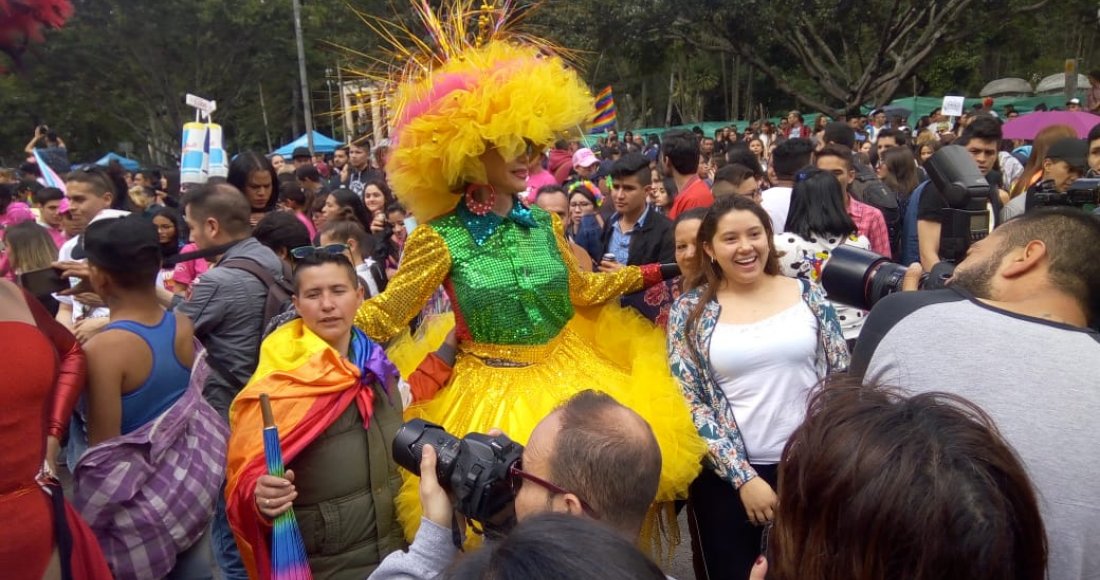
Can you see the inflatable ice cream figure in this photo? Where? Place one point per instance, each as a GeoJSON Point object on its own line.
{"type": "Point", "coordinates": [469, 112]}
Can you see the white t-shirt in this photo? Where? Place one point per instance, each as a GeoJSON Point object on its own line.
{"type": "Point", "coordinates": [65, 254]}
{"type": "Point", "coordinates": [766, 370]}
{"type": "Point", "coordinates": [802, 258]}
{"type": "Point", "coordinates": [777, 202]}
{"type": "Point", "coordinates": [363, 270]}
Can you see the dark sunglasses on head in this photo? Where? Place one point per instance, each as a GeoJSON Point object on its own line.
{"type": "Point", "coordinates": [306, 251]}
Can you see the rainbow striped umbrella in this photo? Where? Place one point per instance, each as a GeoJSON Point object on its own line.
{"type": "Point", "coordinates": [288, 551]}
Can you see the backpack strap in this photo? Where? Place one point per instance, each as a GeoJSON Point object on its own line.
{"type": "Point", "coordinates": [264, 276]}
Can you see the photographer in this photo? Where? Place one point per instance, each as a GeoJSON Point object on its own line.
{"type": "Point", "coordinates": [1065, 162]}
{"type": "Point", "coordinates": [1013, 329]}
{"type": "Point", "coordinates": [592, 457]}
{"type": "Point", "coordinates": [54, 153]}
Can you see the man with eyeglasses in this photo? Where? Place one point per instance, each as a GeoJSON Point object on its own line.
{"type": "Point", "coordinates": [592, 457]}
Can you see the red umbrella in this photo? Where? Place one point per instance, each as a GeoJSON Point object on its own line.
{"type": "Point", "coordinates": [1028, 126]}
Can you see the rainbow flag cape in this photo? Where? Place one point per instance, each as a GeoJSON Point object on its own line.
{"type": "Point", "coordinates": [309, 385]}
{"type": "Point", "coordinates": [604, 118]}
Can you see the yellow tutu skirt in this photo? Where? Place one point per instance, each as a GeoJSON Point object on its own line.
{"type": "Point", "coordinates": [609, 349]}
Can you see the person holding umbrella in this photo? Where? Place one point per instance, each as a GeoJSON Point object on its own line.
{"type": "Point", "coordinates": [334, 397]}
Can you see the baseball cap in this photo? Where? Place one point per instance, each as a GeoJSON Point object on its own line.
{"type": "Point", "coordinates": [301, 153]}
{"type": "Point", "coordinates": [122, 244]}
{"type": "Point", "coordinates": [1075, 152]}
{"type": "Point", "coordinates": [584, 158]}
{"type": "Point", "coordinates": [1074, 101]}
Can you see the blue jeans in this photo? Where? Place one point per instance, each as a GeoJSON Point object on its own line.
{"type": "Point", "coordinates": [226, 553]}
{"type": "Point", "coordinates": [78, 437]}
{"type": "Point", "coordinates": [194, 562]}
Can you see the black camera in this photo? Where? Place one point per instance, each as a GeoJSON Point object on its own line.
{"type": "Point", "coordinates": [967, 193]}
{"type": "Point", "coordinates": [475, 469]}
{"type": "Point", "coordinates": [860, 278]}
{"type": "Point", "coordinates": [1081, 193]}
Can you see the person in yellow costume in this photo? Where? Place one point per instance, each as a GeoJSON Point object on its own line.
{"type": "Point", "coordinates": [469, 114]}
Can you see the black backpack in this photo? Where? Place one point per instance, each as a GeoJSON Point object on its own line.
{"type": "Point", "coordinates": [869, 189]}
{"type": "Point", "coordinates": [279, 291]}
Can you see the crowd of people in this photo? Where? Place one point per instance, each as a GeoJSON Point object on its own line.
{"type": "Point", "coordinates": [644, 315]}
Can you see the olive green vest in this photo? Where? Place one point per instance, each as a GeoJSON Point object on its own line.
{"type": "Point", "coordinates": [347, 481]}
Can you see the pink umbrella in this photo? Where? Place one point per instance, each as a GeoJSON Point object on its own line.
{"type": "Point", "coordinates": [1028, 126]}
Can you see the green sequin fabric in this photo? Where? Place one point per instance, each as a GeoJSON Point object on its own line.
{"type": "Point", "coordinates": [511, 284]}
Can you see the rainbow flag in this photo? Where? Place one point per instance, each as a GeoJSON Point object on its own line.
{"type": "Point", "coordinates": [309, 385]}
{"type": "Point", "coordinates": [604, 118]}
{"type": "Point", "coordinates": [49, 176]}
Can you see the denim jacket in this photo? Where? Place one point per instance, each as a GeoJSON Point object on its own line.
{"type": "Point", "coordinates": [710, 410]}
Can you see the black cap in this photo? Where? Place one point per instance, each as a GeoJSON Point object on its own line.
{"type": "Point", "coordinates": [122, 244]}
{"type": "Point", "coordinates": [840, 133]}
{"type": "Point", "coordinates": [301, 153]}
{"type": "Point", "coordinates": [1075, 152]}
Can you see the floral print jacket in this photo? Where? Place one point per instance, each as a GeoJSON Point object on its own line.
{"type": "Point", "coordinates": [710, 410]}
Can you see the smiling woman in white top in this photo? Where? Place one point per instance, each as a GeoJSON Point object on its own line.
{"type": "Point", "coordinates": [746, 348]}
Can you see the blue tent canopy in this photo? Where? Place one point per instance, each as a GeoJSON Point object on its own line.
{"type": "Point", "coordinates": [321, 144]}
{"type": "Point", "coordinates": [127, 164]}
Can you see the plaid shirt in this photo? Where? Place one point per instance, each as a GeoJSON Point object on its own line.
{"type": "Point", "coordinates": [149, 495]}
{"type": "Point", "coordinates": [870, 223]}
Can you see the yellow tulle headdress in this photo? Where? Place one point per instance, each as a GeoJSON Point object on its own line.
{"type": "Point", "coordinates": [463, 89]}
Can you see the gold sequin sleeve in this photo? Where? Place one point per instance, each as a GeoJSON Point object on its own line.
{"type": "Point", "coordinates": [425, 264]}
{"type": "Point", "coordinates": [591, 288]}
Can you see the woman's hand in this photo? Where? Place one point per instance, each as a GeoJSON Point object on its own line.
{"type": "Point", "coordinates": [759, 499]}
{"type": "Point", "coordinates": [275, 495]}
{"type": "Point", "coordinates": [53, 449]}
{"type": "Point", "coordinates": [759, 569]}
{"type": "Point", "coordinates": [378, 223]}
{"type": "Point", "coordinates": [85, 329]}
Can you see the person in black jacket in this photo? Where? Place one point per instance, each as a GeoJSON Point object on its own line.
{"type": "Point", "coordinates": [636, 234]}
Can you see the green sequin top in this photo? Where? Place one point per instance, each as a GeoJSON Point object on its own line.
{"type": "Point", "coordinates": [513, 287]}
{"type": "Point", "coordinates": [513, 280]}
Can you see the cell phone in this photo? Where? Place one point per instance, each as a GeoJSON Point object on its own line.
{"type": "Point", "coordinates": [45, 281]}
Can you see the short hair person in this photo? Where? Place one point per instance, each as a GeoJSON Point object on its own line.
{"type": "Point", "coordinates": [90, 194]}
{"type": "Point", "coordinates": [592, 457]}
{"type": "Point", "coordinates": [1031, 281]}
{"type": "Point", "coordinates": [334, 395]}
{"type": "Point", "coordinates": [140, 396]}
{"type": "Point", "coordinates": [982, 139]}
{"type": "Point", "coordinates": [680, 160]}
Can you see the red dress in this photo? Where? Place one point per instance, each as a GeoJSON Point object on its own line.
{"type": "Point", "coordinates": [43, 372]}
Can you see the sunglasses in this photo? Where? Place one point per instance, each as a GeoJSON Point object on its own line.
{"type": "Point", "coordinates": [306, 251]}
{"type": "Point", "coordinates": [518, 475]}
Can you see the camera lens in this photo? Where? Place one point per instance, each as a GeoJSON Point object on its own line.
{"type": "Point", "coordinates": [860, 278]}
{"type": "Point", "coordinates": [409, 442]}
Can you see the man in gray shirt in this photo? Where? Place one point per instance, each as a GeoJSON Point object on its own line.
{"type": "Point", "coordinates": [227, 308]}
{"type": "Point", "coordinates": [1012, 334]}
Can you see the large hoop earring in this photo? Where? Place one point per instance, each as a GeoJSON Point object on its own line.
{"type": "Point", "coordinates": [480, 208]}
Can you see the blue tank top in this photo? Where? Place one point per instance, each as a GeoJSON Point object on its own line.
{"type": "Point", "coordinates": [167, 380]}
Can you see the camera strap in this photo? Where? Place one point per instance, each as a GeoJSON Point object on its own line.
{"type": "Point", "coordinates": [456, 531]}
